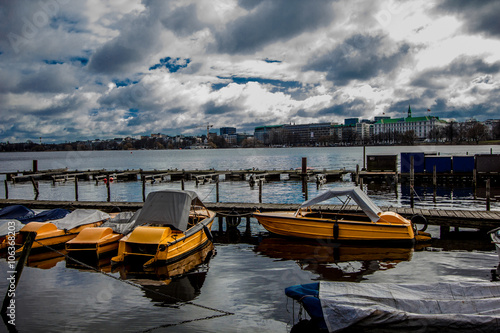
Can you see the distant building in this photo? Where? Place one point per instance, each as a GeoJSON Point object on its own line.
{"type": "Point", "coordinates": [227, 130]}
{"type": "Point", "coordinates": [421, 126]}
{"type": "Point", "coordinates": [351, 121]}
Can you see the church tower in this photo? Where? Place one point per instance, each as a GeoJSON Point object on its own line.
{"type": "Point", "coordinates": [409, 111]}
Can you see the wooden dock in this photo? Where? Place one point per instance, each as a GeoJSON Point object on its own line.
{"type": "Point", "coordinates": [445, 218]}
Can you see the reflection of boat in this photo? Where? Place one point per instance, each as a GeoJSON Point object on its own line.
{"type": "Point", "coordinates": [175, 282]}
{"type": "Point", "coordinates": [443, 307]}
{"type": "Point", "coordinates": [45, 260]}
{"type": "Point", "coordinates": [373, 225]}
{"type": "Point", "coordinates": [58, 232]}
{"type": "Point", "coordinates": [334, 261]}
{"type": "Point", "coordinates": [178, 224]}
{"type": "Point", "coordinates": [102, 240]}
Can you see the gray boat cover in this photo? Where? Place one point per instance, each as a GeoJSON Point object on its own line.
{"type": "Point", "coordinates": [363, 201]}
{"type": "Point", "coordinates": [123, 223]}
{"type": "Point", "coordinates": [80, 217]}
{"type": "Point", "coordinates": [460, 306]}
{"type": "Point", "coordinates": [10, 225]}
{"type": "Point", "coordinates": [168, 207]}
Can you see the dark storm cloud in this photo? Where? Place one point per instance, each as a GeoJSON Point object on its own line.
{"type": "Point", "coordinates": [211, 108]}
{"type": "Point", "coordinates": [183, 21]}
{"type": "Point", "coordinates": [462, 67]}
{"type": "Point", "coordinates": [48, 79]}
{"type": "Point", "coordinates": [272, 21]}
{"type": "Point", "coordinates": [479, 16]}
{"type": "Point", "coordinates": [359, 57]}
{"type": "Point", "coordinates": [355, 108]}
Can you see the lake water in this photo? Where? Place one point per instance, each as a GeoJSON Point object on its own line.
{"type": "Point", "coordinates": [244, 275]}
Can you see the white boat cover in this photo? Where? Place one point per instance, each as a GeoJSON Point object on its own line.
{"type": "Point", "coordinates": [363, 201]}
{"type": "Point", "coordinates": [461, 306]}
{"type": "Point", "coordinates": [10, 225]}
{"type": "Point", "coordinates": [80, 217]}
{"type": "Point", "coordinates": [123, 223]}
{"type": "Point", "coordinates": [168, 207]}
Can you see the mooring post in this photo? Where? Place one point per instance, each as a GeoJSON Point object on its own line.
{"type": "Point", "coordinates": [143, 178]}
{"type": "Point", "coordinates": [364, 158]}
{"type": "Point", "coordinates": [182, 184]}
{"type": "Point", "coordinates": [35, 165]}
{"type": "Point", "coordinates": [217, 191]}
{"type": "Point", "coordinates": [221, 226]}
{"type": "Point", "coordinates": [35, 187]}
{"type": "Point", "coordinates": [356, 178]}
{"type": "Point", "coordinates": [361, 184]}
{"type": "Point", "coordinates": [6, 189]}
{"type": "Point", "coordinates": [488, 201]}
{"type": "Point", "coordinates": [260, 190]}
{"type": "Point", "coordinates": [15, 275]}
{"type": "Point", "coordinates": [108, 187]}
{"type": "Point", "coordinates": [248, 230]}
{"type": "Point", "coordinates": [412, 180]}
{"type": "Point", "coordinates": [76, 188]}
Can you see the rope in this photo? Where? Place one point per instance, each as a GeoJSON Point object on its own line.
{"type": "Point", "coordinates": [223, 313]}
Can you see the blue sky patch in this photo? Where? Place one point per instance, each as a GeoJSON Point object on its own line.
{"type": "Point", "coordinates": [173, 65]}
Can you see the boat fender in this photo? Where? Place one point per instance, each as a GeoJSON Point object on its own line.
{"type": "Point", "coordinates": [233, 219]}
{"type": "Point", "coordinates": [419, 219]}
{"type": "Point", "coordinates": [208, 233]}
{"type": "Point", "coordinates": [336, 231]}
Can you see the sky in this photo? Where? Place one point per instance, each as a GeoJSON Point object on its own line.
{"type": "Point", "coordinates": [88, 69]}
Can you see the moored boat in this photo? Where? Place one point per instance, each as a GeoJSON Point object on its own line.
{"type": "Point", "coordinates": [371, 225]}
{"type": "Point", "coordinates": [171, 225]}
{"type": "Point", "coordinates": [495, 239]}
{"type": "Point", "coordinates": [57, 232]}
{"type": "Point", "coordinates": [99, 241]}
{"type": "Point", "coordinates": [391, 307]}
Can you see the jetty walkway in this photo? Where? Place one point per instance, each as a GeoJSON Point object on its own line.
{"type": "Point", "coordinates": [445, 218]}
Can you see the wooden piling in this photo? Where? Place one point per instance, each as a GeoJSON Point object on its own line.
{"type": "Point", "coordinates": [76, 188]}
{"type": "Point", "coordinates": [6, 189]}
{"type": "Point", "coordinates": [35, 165]}
{"type": "Point", "coordinates": [260, 190]}
{"type": "Point", "coordinates": [217, 191]}
{"type": "Point", "coordinates": [108, 187]}
{"type": "Point", "coordinates": [35, 187]}
{"type": "Point", "coordinates": [488, 200]}
{"type": "Point", "coordinates": [9, 300]}
{"type": "Point", "coordinates": [356, 179]}
{"type": "Point", "coordinates": [412, 181]}
{"type": "Point", "coordinates": [143, 178]}
{"type": "Point", "coordinates": [182, 184]}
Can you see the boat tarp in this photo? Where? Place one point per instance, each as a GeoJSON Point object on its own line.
{"type": "Point", "coordinates": [363, 201]}
{"type": "Point", "coordinates": [123, 223]}
{"type": "Point", "coordinates": [47, 215]}
{"type": "Point", "coordinates": [168, 207]}
{"type": "Point", "coordinates": [461, 306]}
{"type": "Point", "coordinates": [16, 212]}
{"type": "Point", "coordinates": [9, 225]}
{"type": "Point", "coordinates": [80, 217]}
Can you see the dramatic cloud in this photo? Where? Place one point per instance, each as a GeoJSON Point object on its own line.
{"type": "Point", "coordinates": [101, 69]}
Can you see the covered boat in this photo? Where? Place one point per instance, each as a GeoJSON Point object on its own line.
{"type": "Point", "coordinates": [102, 240]}
{"type": "Point", "coordinates": [57, 232]}
{"type": "Point", "coordinates": [443, 307]}
{"type": "Point", "coordinates": [495, 239]}
{"type": "Point", "coordinates": [371, 225]}
{"type": "Point", "coordinates": [171, 225]}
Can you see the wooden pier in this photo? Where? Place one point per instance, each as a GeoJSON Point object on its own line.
{"type": "Point", "coordinates": [445, 218]}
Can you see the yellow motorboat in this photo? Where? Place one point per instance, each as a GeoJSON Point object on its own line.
{"type": "Point", "coordinates": [370, 225]}
{"type": "Point", "coordinates": [97, 242]}
{"type": "Point", "coordinates": [57, 232]}
{"type": "Point", "coordinates": [171, 225]}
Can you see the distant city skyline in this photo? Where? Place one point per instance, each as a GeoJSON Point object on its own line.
{"type": "Point", "coordinates": [81, 70]}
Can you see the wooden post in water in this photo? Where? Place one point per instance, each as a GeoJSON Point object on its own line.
{"type": "Point", "coordinates": [221, 226]}
{"type": "Point", "coordinates": [361, 184]}
{"type": "Point", "coordinates": [412, 180]}
{"type": "Point", "coordinates": [364, 158]}
{"type": "Point", "coordinates": [143, 178]}
{"type": "Point", "coordinates": [35, 187]}
{"type": "Point", "coordinates": [434, 181]}
{"type": "Point", "coordinates": [488, 202]}
{"type": "Point", "coordinates": [13, 279]}
{"type": "Point", "coordinates": [35, 165]}
{"type": "Point", "coordinates": [76, 188]}
{"type": "Point", "coordinates": [248, 231]}
{"type": "Point", "coordinates": [108, 187]}
{"type": "Point", "coordinates": [217, 191]}
{"type": "Point", "coordinates": [356, 178]}
{"type": "Point", "coordinates": [6, 189]}
{"type": "Point", "coordinates": [182, 184]}
{"type": "Point", "coordinates": [260, 190]}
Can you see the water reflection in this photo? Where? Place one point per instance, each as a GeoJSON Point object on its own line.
{"type": "Point", "coordinates": [45, 260]}
{"type": "Point", "coordinates": [169, 284]}
{"type": "Point", "coordinates": [333, 261]}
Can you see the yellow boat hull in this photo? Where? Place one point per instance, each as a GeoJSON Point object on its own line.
{"type": "Point", "coordinates": [94, 241]}
{"type": "Point", "coordinates": [159, 245]}
{"type": "Point", "coordinates": [347, 229]}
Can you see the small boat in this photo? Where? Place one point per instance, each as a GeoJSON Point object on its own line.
{"type": "Point", "coordinates": [100, 241]}
{"type": "Point", "coordinates": [57, 232]}
{"type": "Point", "coordinates": [370, 225]}
{"type": "Point", "coordinates": [435, 307]}
{"type": "Point", "coordinates": [171, 225]}
{"type": "Point", "coordinates": [14, 218]}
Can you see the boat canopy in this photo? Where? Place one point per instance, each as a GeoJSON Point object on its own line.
{"type": "Point", "coordinates": [363, 201]}
{"type": "Point", "coordinates": [80, 217]}
{"type": "Point", "coordinates": [168, 207]}
{"type": "Point", "coordinates": [123, 223]}
{"type": "Point", "coordinates": [458, 306]}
